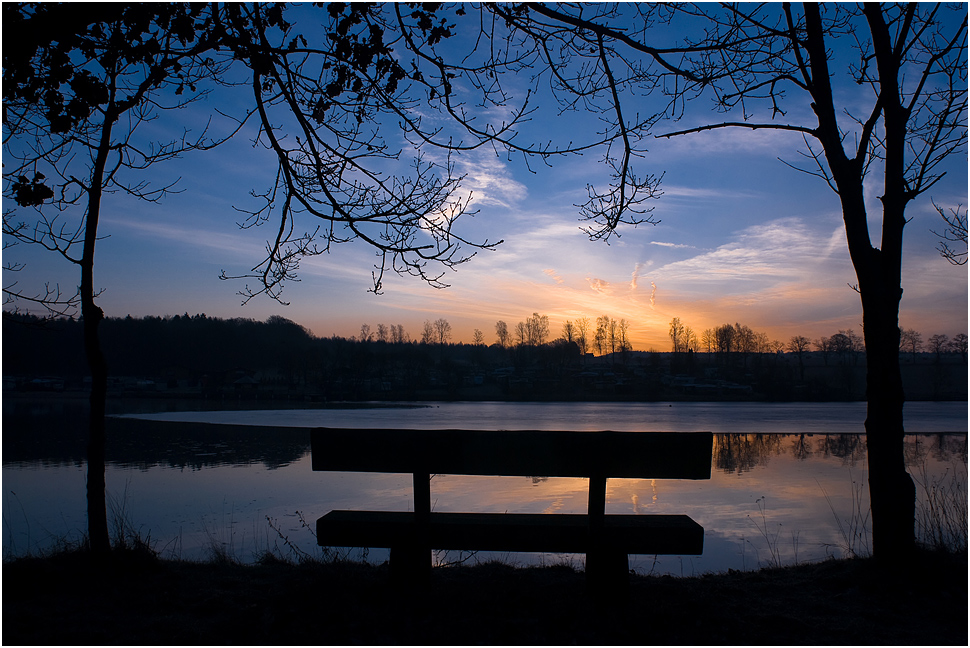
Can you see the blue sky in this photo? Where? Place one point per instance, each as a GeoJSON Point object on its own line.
{"type": "Point", "coordinates": [742, 238]}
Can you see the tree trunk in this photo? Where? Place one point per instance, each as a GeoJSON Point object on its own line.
{"type": "Point", "coordinates": [98, 538]}
{"type": "Point", "coordinates": [892, 493]}
{"type": "Point", "coordinates": [97, 508]}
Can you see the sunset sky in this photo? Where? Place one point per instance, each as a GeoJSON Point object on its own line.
{"type": "Point", "coordinates": [742, 238]}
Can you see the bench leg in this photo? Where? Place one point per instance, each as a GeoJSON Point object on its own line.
{"type": "Point", "coordinates": [607, 573]}
{"type": "Point", "coordinates": [410, 565]}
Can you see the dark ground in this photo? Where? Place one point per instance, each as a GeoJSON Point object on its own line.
{"type": "Point", "coordinates": [141, 600]}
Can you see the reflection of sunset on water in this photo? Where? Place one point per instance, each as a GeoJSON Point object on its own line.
{"type": "Point", "coordinates": [195, 487]}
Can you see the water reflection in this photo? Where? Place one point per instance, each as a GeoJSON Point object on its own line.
{"type": "Point", "coordinates": [192, 485]}
{"type": "Point", "coordinates": [53, 433]}
{"type": "Point", "coordinates": [741, 453]}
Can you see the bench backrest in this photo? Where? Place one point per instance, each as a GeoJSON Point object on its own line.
{"type": "Point", "coordinates": [658, 455]}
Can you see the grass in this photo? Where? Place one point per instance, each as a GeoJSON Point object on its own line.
{"type": "Point", "coordinates": [941, 512]}
{"type": "Point", "coordinates": [140, 599]}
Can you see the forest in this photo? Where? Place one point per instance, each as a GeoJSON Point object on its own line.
{"type": "Point", "coordinates": [195, 356]}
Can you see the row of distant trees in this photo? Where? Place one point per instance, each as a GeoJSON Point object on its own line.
{"type": "Point", "coordinates": [740, 338]}
{"type": "Point", "coordinates": [606, 335]}
{"type": "Point", "coordinates": [600, 336]}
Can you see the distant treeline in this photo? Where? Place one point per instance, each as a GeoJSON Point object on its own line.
{"type": "Point", "coordinates": [199, 356]}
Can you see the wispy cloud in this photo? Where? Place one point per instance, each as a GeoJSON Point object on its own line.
{"type": "Point", "coordinates": [552, 273]}
{"type": "Point", "coordinates": [636, 274]}
{"type": "Point", "coordinates": [488, 180]}
{"type": "Point", "coordinates": [600, 285]}
{"type": "Point", "coordinates": [780, 250]}
{"type": "Point", "coordinates": [682, 246]}
{"type": "Point", "coordinates": [233, 242]}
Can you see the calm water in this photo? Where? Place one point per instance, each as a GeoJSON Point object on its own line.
{"type": "Point", "coordinates": [787, 480]}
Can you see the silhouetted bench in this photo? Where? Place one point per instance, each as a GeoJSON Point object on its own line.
{"type": "Point", "coordinates": [605, 539]}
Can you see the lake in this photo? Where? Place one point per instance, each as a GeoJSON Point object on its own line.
{"type": "Point", "coordinates": [788, 482]}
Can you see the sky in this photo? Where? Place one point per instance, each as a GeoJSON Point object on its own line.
{"type": "Point", "coordinates": [741, 238]}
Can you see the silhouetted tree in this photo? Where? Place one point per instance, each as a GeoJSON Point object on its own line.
{"type": "Point", "coordinates": [910, 340]}
{"type": "Point", "coordinates": [601, 336]}
{"type": "Point", "coordinates": [582, 335]}
{"type": "Point", "coordinates": [709, 340]}
{"type": "Point", "coordinates": [398, 335]}
{"type": "Point", "coordinates": [78, 89]}
{"type": "Point", "coordinates": [822, 346]}
{"type": "Point", "coordinates": [442, 331]}
{"type": "Point", "coordinates": [911, 57]}
{"type": "Point", "coordinates": [725, 336]}
{"type": "Point", "coordinates": [537, 329]}
{"type": "Point", "coordinates": [83, 81]}
{"type": "Point", "coordinates": [427, 333]}
{"type": "Point", "coordinates": [798, 344]}
{"type": "Point", "coordinates": [568, 331]}
{"type": "Point", "coordinates": [521, 334]}
{"type": "Point", "coordinates": [959, 345]}
{"type": "Point", "coordinates": [502, 333]}
{"type": "Point", "coordinates": [938, 344]}
{"type": "Point", "coordinates": [676, 334]}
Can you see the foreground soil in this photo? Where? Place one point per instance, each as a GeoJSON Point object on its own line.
{"type": "Point", "coordinates": [140, 600]}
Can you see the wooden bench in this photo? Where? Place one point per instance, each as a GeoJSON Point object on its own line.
{"type": "Point", "coordinates": [605, 539]}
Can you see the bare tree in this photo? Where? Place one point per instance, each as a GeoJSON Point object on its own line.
{"type": "Point", "coordinates": [959, 345]}
{"type": "Point", "coordinates": [398, 335]}
{"type": "Point", "coordinates": [725, 339]}
{"type": "Point", "coordinates": [623, 328]}
{"type": "Point", "coordinates": [909, 58]}
{"type": "Point", "coordinates": [910, 340]}
{"type": "Point", "coordinates": [744, 341]}
{"type": "Point", "coordinates": [382, 334]}
{"type": "Point", "coordinates": [709, 339]}
{"type": "Point", "coordinates": [365, 334]}
{"type": "Point", "coordinates": [676, 333]}
{"type": "Point", "coordinates": [82, 83]}
{"type": "Point", "coordinates": [502, 334]}
{"type": "Point", "coordinates": [568, 331]}
{"type": "Point", "coordinates": [822, 346]}
{"type": "Point", "coordinates": [536, 329]}
{"type": "Point", "coordinates": [442, 331]}
{"type": "Point", "coordinates": [79, 89]}
{"type": "Point", "coordinates": [798, 344]}
{"type": "Point", "coordinates": [954, 232]}
{"type": "Point", "coordinates": [690, 339]}
{"type": "Point", "coordinates": [427, 333]}
{"type": "Point", "coordinates": [521, 334]}
{"type": "Point", "coordinates": [601, 336]}
{"type": "Point", "coordinates": [612, 336]}
{"type": "Point", "coordinates": [582, 335]}
{"type": "Point", "coordinates": [478, 338]}
{"type": "Point", "coordinates": [913, 59]}
{"type": "Point", "coordinates": [938, 344]}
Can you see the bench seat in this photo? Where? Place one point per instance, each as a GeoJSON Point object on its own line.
{"type": "Point", "coordinates": [534, 532]}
